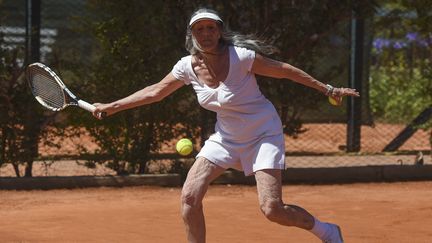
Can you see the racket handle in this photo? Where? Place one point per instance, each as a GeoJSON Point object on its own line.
{"type": "Point", "coordinates": [102, 115]}
{"type": "Point", "coordinates": [86, 106]}
{"type": "Point", "coordinates": [89, 107]}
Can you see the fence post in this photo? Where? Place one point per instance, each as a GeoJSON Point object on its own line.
{"type": "Point", "coordinates": [355, 81]}
{"type": "Point", "coordinates": [33, 9]}
{"type": "Point", "coordinates": [32, 123]}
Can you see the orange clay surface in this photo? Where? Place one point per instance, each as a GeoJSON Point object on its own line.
{"type": "Point", "coordinates": [376, 212]}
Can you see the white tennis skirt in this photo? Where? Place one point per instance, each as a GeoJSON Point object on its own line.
{"type": "Point", "coordinates": [262, 153]}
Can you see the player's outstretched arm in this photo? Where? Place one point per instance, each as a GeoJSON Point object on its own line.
{"type": "Point", "coordinates": [147, 95]}
{"type": "Point", "coordinates": [271, 68]}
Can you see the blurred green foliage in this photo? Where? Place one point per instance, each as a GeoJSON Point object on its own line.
{"type": "Point", "coordinates": [23, 123]}
{"type": "Point", "coordinates": [398, 96]}
{"type": "Point", "coordinates": [401, 72]}
{"type": "Point", "coordinates": [19, 124]}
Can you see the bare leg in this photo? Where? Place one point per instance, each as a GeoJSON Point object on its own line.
{"type": "Point", "coordinates": [269, 186]}
{"type": "Point", "coordinates": [198, 179]}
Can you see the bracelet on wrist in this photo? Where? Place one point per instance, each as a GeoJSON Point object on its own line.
{"type": "Point", "coordinates": [330, 90]}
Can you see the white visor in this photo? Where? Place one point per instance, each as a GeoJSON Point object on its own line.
{"type": "Point", "coordinates": [201, 16]}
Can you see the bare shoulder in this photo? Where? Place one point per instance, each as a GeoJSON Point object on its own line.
{"type": "Point", "coordinates": [170, 79]}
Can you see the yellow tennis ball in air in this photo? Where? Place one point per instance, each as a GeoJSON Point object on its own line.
{"type": "Point", "coordinates": [184, 146]}
{"type": "Point", "coordinates": [333, 101]}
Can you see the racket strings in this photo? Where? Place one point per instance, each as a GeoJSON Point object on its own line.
{"type": "Point", "coordinates": [46, 89]}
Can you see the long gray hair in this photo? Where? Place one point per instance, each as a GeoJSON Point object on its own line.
{"type": "Point", "coordinates": [228, 38]}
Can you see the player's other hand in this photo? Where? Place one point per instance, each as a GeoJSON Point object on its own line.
{"type": "Point", "coordinates": [341, 92]}
{"type": "Point", "coordinates": [335, 98]}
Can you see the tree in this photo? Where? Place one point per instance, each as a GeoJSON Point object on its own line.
{"type": "Point", "coordinates": [16, 123]}
{"type": "Point", "coordinates": [22, 120]}
{"type": "Point", "coordinates": [401, 73]}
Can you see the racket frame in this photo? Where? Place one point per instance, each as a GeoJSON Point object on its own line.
{"type": "Point", "coordinates": [68, 96]}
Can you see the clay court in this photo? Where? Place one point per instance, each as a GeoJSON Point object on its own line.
{"type": "Point", "coordinates": [375, 212]}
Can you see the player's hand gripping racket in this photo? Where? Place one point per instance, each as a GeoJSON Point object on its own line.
{"type": "Point", "coordinates": [51, 92]}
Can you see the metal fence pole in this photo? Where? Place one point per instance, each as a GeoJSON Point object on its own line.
{"type": "Point", "coordinates": [355, 81]}
{"type": "Point", "coordinates": [33, 124]}
{"type": "Point", "coordinates": [33, 21]}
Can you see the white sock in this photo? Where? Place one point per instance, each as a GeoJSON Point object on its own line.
{"type": "Point", "coordinates": [320, 229]}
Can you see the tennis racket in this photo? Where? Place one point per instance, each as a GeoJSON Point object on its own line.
{"type": "Point", "coordinates": [51, 92]}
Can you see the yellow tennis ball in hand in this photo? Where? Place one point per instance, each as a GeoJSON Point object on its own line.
{"type": "Point", "coordinates": [184, 146]}
{"type": "Point", "coordinates": [333, 101]}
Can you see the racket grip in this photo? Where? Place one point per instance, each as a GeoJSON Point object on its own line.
{"type": "Point", "coordinates": [89, 107]}
{"type": "Point", "coordinates": [86, 106]}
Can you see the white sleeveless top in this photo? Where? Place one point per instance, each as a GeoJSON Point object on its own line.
{"type": "Point", "coordinates": [243, 113]}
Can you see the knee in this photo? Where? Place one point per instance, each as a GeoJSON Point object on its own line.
{"type": "Point", "coordinates": [272, 210]}
{"type": "Point", "coordinates": [190, 204]}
